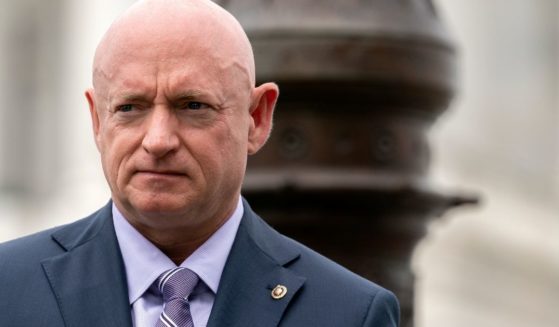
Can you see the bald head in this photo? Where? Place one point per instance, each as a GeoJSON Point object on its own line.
{"type": "Point", "coordinates": [168, 29]}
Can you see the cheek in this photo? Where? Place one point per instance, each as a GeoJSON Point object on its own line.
{"type": "Point", "coordinates": [236, 152]}
{"type": "Point", "coordinates": [236, 138]}
{"type": "Point", "coordinates": [116, 146]}
{"type": "Point", "coordinates": [226, 149]}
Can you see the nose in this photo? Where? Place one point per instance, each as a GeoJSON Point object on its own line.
{"type": "Point", "coordinates": [161, 137]}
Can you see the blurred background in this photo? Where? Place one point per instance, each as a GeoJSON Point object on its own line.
{"type": "Point", "coordinates": [496, 264]}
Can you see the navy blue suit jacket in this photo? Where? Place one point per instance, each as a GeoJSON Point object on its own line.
{"type": "Point", "coordinates": [74, 276]}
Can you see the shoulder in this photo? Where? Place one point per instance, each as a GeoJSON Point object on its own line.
{"type": "Point", "coordinates": [336, 296]}
{"type": "Point", "coordinates": [322, 269]}
{"type": "Point", "coordinates": [31, 248]}
{"type": "Point", "coordinates": [25, 253]}
{"type": "Point", "coordinates": [21, 275]}
{"type": "Point", "coordinates": [23, 280]}
{"type": "Point", "coordinates": [332, 286]}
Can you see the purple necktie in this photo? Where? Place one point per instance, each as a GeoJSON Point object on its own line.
{"type": "Point", "coordinates": [176, 285]}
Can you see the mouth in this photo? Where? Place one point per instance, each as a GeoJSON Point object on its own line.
{"type": "Point", "coordinates": [161, 173]}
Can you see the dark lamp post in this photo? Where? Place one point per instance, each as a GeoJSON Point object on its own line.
{"type": "Point", "coordinates": [345, 170]}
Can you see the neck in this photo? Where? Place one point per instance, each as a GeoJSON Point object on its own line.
{"type": "Point", "coordinates": [177, 243]}
{"type": "Point", "coordinates": [179, 252]}
{"type": "Point", "coordinates": [178, 236]}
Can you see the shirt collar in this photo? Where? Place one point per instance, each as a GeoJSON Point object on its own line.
{"type": "Point", "coordinates": [144, 262]}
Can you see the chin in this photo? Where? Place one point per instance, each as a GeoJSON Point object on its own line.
{"type": "Point", "coordinates": [162, 209]}
{"type": "Point", "coordinates": [160, 206]}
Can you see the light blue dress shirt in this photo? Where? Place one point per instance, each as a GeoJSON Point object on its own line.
{"type": "Point", "coordinates": [144, 262]}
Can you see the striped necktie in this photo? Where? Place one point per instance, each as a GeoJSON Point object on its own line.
{"type": "Point", "coordinates": [176, 285]}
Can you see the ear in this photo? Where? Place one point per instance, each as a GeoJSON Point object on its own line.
{"type": "Point", "coordinates": [90, 96]}
{"type": "Point", "coordinates": [264, 100]}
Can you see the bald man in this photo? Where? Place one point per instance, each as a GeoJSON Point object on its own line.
{"type": "Point", "coordinates": [175, 113]}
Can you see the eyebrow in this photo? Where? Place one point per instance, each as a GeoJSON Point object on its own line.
{"type": "Point", "coordinates": [130, 97]}
{"type": "Point", "coordinates": [113, 100]}
{"type": "Point", "coordinates": [139, 97]}
{"type": "Point", "coordinates": [189, 94]}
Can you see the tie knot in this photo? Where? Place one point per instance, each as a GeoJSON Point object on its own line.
{"type": "Point", "coordinates": [177, 283]}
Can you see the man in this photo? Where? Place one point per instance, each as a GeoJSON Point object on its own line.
{"type": "Point", "coordinates": [175, 112]}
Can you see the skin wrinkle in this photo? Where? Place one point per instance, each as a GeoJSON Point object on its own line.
{"type": "Point", "coordinates": [176, 173]}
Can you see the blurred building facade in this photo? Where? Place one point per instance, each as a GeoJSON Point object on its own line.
{"type": "Point", "coordinates": [497, 265]}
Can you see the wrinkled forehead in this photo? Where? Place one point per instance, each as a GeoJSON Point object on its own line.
{"type": "Point", "coordinates": [160, 31]}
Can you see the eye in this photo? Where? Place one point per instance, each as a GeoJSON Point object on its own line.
{"type": "Point", "coordinates": [125, 108]}
{"type": "Point", "coordinates": [194, 105]}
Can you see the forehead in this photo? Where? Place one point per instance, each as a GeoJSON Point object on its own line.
{"type": "Point", "coordinates": [171, 77]}
{"type": "Point", "coordinates": [177, 42]}
{"type": "Point", "coordinates": [172, 65]}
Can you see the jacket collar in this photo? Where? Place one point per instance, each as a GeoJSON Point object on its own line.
{"type": "Point", "coordinates": [89, 278]}
{"type": "Point", "coordinates": [258, 262]}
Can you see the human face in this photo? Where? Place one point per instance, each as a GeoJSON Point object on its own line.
{"type": "Point", "coordinates": [174, 130]}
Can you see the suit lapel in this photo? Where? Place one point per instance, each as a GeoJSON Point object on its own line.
{"type": "Point", "coordinates": [89, 279]}
{"type": "Point", "coordinates": [256, 265]}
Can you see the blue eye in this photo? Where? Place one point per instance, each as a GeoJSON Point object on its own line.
{"type": "Point", "coordinates": [194, 105]}
{"type": "Point", "coordinates": [125, 108]}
